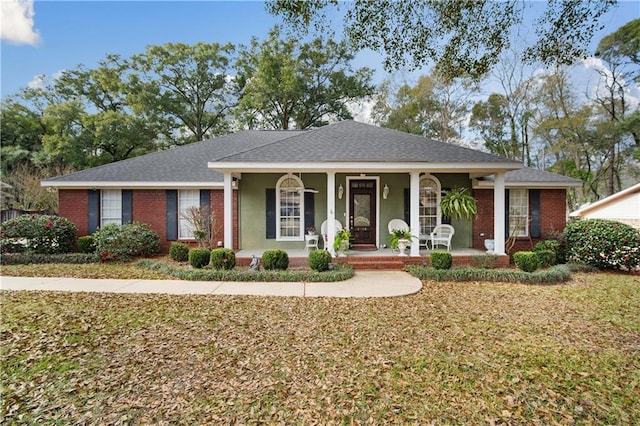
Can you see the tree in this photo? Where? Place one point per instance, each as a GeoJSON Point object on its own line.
{"type": "Point", "coordinates": [289, 84]}
{"type": "Point", "coordinates": [462, 38]}
{"type": "Point", "coordinates": [490, 119]}
{"type": "Point", "coordinates": [623, 47]}
{"type": "Point", "coordinates": [21, 131]}
{"type": "Point", "coordinates": [432, 108]}
{"type": "Point", "coordinates": [188, 86]}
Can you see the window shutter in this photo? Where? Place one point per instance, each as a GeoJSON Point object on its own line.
{"type": "Point", "coordinates": [407, 205]}
{"type": "Point", "coordinates": [506, 213]}
{"type": "Point", "coordinates": [127, 206]}
{"type": "Point", "coordinates": [309, 209]}
{"type": "Point", "coordinates": [93, 210]}
{"type": "Point", "coordinates": [445, 219]}
{"type": "Point", "coordinates": [205, 201]}
{"type": "Point", "coordinates": [271, 213]}
{"type": "Point", "coordinates": [172, 215]}
{"type": "Point", "coordinates": [535, 230]}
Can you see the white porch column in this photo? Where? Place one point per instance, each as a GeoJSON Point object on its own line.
{"type": "Point", "coordinates": [414, 206]}
{"type": "Point", "coordinates": [228, 210]}
{"type": "Point", "coordinates": [331, 211]}
{"type": "Point", "coordinates": [498, 213]}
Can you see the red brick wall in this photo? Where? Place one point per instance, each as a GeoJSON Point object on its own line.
{"type": "Point", "coordinates": [74, 205]}
{"type": "Point", "coordinates": [553, 216]}
{"type": "Point", "coordinates": [149, 206]}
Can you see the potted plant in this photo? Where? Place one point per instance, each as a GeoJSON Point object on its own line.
{"type": "Point", "coordinates": [400, 239]}
{"type": "Point", "coordinates": [341, 241]}
{"type": "Point", "coordinates": [459, 204]}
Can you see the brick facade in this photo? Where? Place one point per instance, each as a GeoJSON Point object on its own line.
{"type": "Point", "coordinates": [553, 217]}
{"type": "Point", "coordinates": [148, 206]}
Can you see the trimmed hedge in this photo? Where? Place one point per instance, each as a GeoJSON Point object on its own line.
{"type": "Point", "coordinates": [123, 242]}
{"type": "Point", "coordinates": [199, 257]}
{"type": "Point", "coordinates": [86, 244]}
{"type": "Point", "coordinates": [340, 272]}
{"type": "Point", "coordinates": [319, 260]}
{"type": "Point", "coordinates": [603, 244]}
{"type": "Point", "coordinates": [44, 234]}
{"type": "Point", "coordinates": [485, 261]}
{"type": "Point", "coordinates": [179, 251]}
{"type": "Point", "coordinates": [30, 258]}
{"type": "Point", "coordinates": [554, 275]}
{"type": "Point", "coordinates": [223, 258]}
{"type": "Point", "coordinates": [441, 260]}
{"type": "Point", "coordinates": [527, 261]}
{"type": "Point", "coordinates": [546, 257]}
{"type": "Point", "coordinates": [275, 259]}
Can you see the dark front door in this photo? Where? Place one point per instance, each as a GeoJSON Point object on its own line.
{"type": "Point", "coordinates": [362, 211]}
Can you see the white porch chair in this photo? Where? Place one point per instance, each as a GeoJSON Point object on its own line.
{"type": "Point", "coordinates": [441, 236]}
{"type": "Point", "coordinates": [324, 231]}
{"type": "Point", "coordinates": [397, 224]}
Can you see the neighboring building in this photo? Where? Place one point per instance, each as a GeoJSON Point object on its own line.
{"type": "Point", "coordinates": [266, 187]}
{"type": "Point", "coordinates": [623, 206]}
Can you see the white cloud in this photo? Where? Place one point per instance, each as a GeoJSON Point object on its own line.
{"type": "Point", "coordinates": [16, 22]}
{"type": "Point", "coordinates": [37, 82]}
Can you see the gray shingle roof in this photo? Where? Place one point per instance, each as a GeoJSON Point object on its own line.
{"type": "Point", "coordinates": [527, 174]}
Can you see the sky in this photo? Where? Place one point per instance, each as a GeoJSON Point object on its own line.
{"type": "Point", "coordinates": [46, 37]}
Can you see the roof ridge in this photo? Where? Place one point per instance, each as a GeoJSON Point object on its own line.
{"type": "Point", "coordinates": [266, 143]}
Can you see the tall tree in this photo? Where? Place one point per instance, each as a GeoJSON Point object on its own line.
{"type": "Point", "coordinates": [461, 38]}
{"type": "Point", "coordinates": [301, 85]}
{"type": "Point", "coordinates": [434, 107]}
{"type": "Point", "coordinates": [189, 86]}
{"type": "Point", "coordinates": [623, 47]}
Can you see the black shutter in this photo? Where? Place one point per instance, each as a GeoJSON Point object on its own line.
{"type": "Point", "coordinates": [446, 220]}
{"type": "Point", "coordinates": [534, 213]}
{"type": "Point", "coordinates": [93, 210]}
{"type": "Point", "coordinates": [407, 205]}
{"type": "Point", "coordinates": [127, 206]}
{"type": "Point", "coordinates": [205, 201]}
{"type": "Point", "coordinates": [309, 209]}
{"type": "Point", "coordinates": [506, 213]}
{"type": "Point", "coordinates": [172, 215]}
{"type": "Point", "coordinates": [271, 213]}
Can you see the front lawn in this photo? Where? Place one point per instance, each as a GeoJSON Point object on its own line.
{"type": "Point", "coordinates": [460, 353]}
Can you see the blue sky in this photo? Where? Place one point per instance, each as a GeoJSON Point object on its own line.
{"type": "Point", "coordinates": [78, 32]}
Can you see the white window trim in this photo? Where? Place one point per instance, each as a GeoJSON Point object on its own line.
{"type": "Point", "coordinates": [181, 219]}
{"type": "Point", "coordinates": [111, 219]}
{"type": "Point", "coordinates": [300, 236]}
{"type": "Point", "coordinates": [526, 203]}
{"type": "Point", "coordinates": [438, 196]}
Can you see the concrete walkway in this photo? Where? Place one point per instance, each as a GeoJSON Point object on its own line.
{"type": "Point", "coordinates": [363, 284]}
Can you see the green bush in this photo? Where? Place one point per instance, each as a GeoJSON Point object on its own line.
{"type": "Point", "coordinates": [199, 257]}
{"type": "Point", "coordinates": [43, 234]}
{"type": "Point", "coordinates": [441, 260]}
{"type": "Point", "coordinates": [561, 250]}
{"type": "Point", "coordinates": [86, 244]}
{"type": "Point", "coordinates": [603, 244]}
{"type": "Point", "coordinates": [547, 257]}
{"type": "Point", "coordinates": [275, 259]}
{"type": "Point", "coordinates": [179, 251]}
{"type": "Point", "coordinates": [31, 258]}
{"type": "Point", "coordinates": [526, 261]}
{"type": "Point", "coordinates": [123, 242]}
{"type": "Point", "coordinates": [484, 261]}
{"type": "Point", "coordinates": [223, 258]}
{"type": "Point", "coordinates": [555, 274]}
{"type": "Point", "coordinates": [319, 260]}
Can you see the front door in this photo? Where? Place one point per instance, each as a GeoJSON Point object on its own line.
{"type": "Point", "coordinates": [362, 211]}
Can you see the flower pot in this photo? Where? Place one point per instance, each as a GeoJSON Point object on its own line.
{"type": "Point", "coordinates": [402, 246]}
{"type": "Point", "coordinates": [343, 248]}
{"type": "Point", "coordinates": [489, 245]}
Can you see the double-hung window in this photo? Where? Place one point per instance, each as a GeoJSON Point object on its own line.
{"type": "Point", "coordinates": [518, 212]}
{"type": "Point", "coordinates": [188, 200]}
{"type": "Point", "coordinates": [111, 206]}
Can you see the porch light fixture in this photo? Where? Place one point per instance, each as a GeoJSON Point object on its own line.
{"type": "Point", "coordinates": [340, 191]}
{"type": "Point", "coordinates": [385, 191]}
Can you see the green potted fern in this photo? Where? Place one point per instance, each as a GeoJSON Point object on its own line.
{"type": "Point", "coordinates": [459, 204]}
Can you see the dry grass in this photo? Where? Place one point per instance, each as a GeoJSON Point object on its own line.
{"type": "Point", "coordinates": [472, 353]}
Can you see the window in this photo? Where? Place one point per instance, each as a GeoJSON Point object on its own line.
{"type": "Point", "coordinates": [518, 213]}
{"type": "Point", "coordinates": [290, 208]}
{"type": "Point", "coordinates": [111, 206]}
{"type": "Point", "coordinates": [429, 204]}
{"type": "Point", "coordinates": [187, 200]}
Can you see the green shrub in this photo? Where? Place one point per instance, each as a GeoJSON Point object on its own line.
{"type": "Point", "coordinates": [603, 244]}
{"type": "Point", "coordinates": [441, 260]}
{"type": "Point", "coordinates": [319, 260]}
{"type": "Point", "coordinates": [561, 250]}
{"type": "Point", "coordinates": [484, 261]}
{"type": "Point", "coordinates": [43, 234]}
{"type": "Point", "coordinates": [275, 259]}
{"type": "Point", "coordinates": [199, 257]}
{"type": "Point", "coordinates": [223, 258]}
{"type": "Point", "coordinates": [179, 251]}
{"type": "Point", "coordinates": [547, 257]}
{"type": "Point", "coordinates": [123, 242]}
{"type": "Point", "coordinates": [526, 261]}
{"type": "Point", "coordinates": [30, 258]}
{"type": "Point", "coordinates": [86, 244]}
{"type": "Point", "coordinates": [555, 274]}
